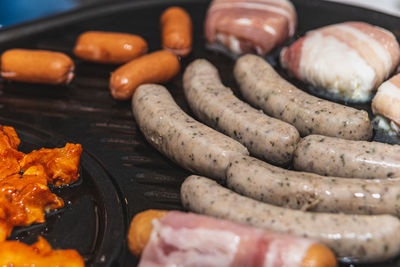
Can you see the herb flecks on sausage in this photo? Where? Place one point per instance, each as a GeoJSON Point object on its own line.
{"type": "Point", "coordinates": [347, 158]}
{"type": "Point", "coordinates": [187, 142]}
{"type": "Point", "coordinates": [262, 87]}
{"type": "Point", "coordinates": [307, 191]}
{"type": "Point", "coordinates": [217, 106]}
{"type": "Point", "coordinates": [362, 238]}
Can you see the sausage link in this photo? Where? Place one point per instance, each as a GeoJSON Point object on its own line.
{"type": "Point", "coordinates": [176, 31]}
{"type": "Point", "coordinates": [316, 254]}
{"type": "Point", "coordinates": [265, 89]}
{"type": "Point", "coordinates": [306, 191]}
{"type": "Point", "coordinates": [346, 158]}
{"type": "Point", "coordinates": [214, 104]}
{"type": "Point", "coordinates": [109, 47]}
{"type": "Point", "coordinates": [140, 230]}
{"type": "Point", "coordinates": [360, 238]}
{"type": "Point", "coordinates": [157, 67]}
{"type": "Point", "coordinates": [37, 66]}
{"type": "Point", "coordinates": [185, 141]}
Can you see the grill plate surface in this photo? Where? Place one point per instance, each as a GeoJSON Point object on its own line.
{"type": "Point", "coordinates": [121, 173]}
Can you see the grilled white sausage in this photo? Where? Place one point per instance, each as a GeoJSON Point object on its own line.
{"type": "Point", "coordinates": [265, 89]}
{"type": "Point", "coordinates": [363, 238]}
{"type": "Point", "coordinates": [185, 141]}
{"type": "Point", "coordinates": [216, 105]}
{"type": "Point", "coordinates": [307, 191]}
{"type": "Point", "coordinates": [346, 158]}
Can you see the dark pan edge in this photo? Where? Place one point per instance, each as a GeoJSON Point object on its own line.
{"type": "Point", "coordinates": [87, 12]}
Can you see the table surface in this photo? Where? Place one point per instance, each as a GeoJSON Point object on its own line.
{"type": "Point", "coordinates": [17, 11]}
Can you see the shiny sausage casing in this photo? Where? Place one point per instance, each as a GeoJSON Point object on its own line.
{"type": "Point", "coordinates": [193, 145]}
{"type": "Point", "coordinates": [217, 106]}
{"type": "Point", "coordinates": [156, 67]}
{"type": "Point", "coordinates": [346, 158]}
{"type": "Point", "coordinates": [176, 31]}
{"type": "Point", "coordinates": [183, 239]}
{"type": "Point", "coordinates": [307, 191]}
{"type": "Point", "coordinates": [37, 66]}
{"type": "Point", "coordinates": [109, 47]}
{"type": "Point", "coordinates": [360, 238]}
{"type": "Point", "coordinates": [264, 88]}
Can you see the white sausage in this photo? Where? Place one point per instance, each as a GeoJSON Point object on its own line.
{"type": "Point", "coordinates": [307, 191]}
{"type": "Point", "coordinates": [262, 87]}
{"type": "Point", "coordinates": [345, 158]}
{"type": "Point", "coordinates": [216, 105]}
{"type": "Point", "coordinates": [185, 141]}
{"type": "Point", "coordinates": [362, 238]}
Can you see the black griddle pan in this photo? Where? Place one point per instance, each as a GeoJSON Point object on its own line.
{"type": "Point", "coordinates": [121, 174]}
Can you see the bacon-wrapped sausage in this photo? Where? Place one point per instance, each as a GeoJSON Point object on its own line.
{"type": "Point", "coordinates": [250, 25]}
{"type": "Point", "coordinates": [349, 59]}
{"type": "Point", "coordinates": [387, 102]}
{"type": "Point", "coordinates": [185, 239]}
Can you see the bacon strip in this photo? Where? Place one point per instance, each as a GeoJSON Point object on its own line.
{"type": "Point", "coordinates": [350, 59]}
{"type": "Point", "coordinates": [250, 25]}
{"type": "Point", "coordinates": [187, 239]}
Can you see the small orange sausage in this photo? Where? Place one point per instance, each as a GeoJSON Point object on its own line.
{"type": "Point", "coordinates": [140, 229]}
{"type": "Point", "coordinates": [319, 255]}
{"type": "Point", "coordinates": [37, 66]}
{"type": "Point", "coordinates": [157, 67]}
{"type": "Point", "coordinates": [109, 47]}
{"type": "Point", "coordinates": [176, 27]}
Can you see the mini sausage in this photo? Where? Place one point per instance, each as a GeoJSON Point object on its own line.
{"type": "Point", "coordinates": [346, 158]}
{"type": "Point", "coordinates": [37, 66]}
{"type": "Point", "coordinates": [109, 47]}
{"type": "Point", "coordinates": [140, 230]}
{"type": "Point", "coordinates": [216, 105]}
{"type": "Point", "coordinates": [306, 191]}
{"type": "Point", "coordinates": [157, 67]}
{"type": "Point", "coordinates": [315, 254]}
{"type": "Point", "coordinates": [265, 89]}
{"type": "Point", "coordinates": [176, 31]}
{"type": "Point", "coordinates": [360, 238]}
{"type": "Point", "coordinates": [192, 145]}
